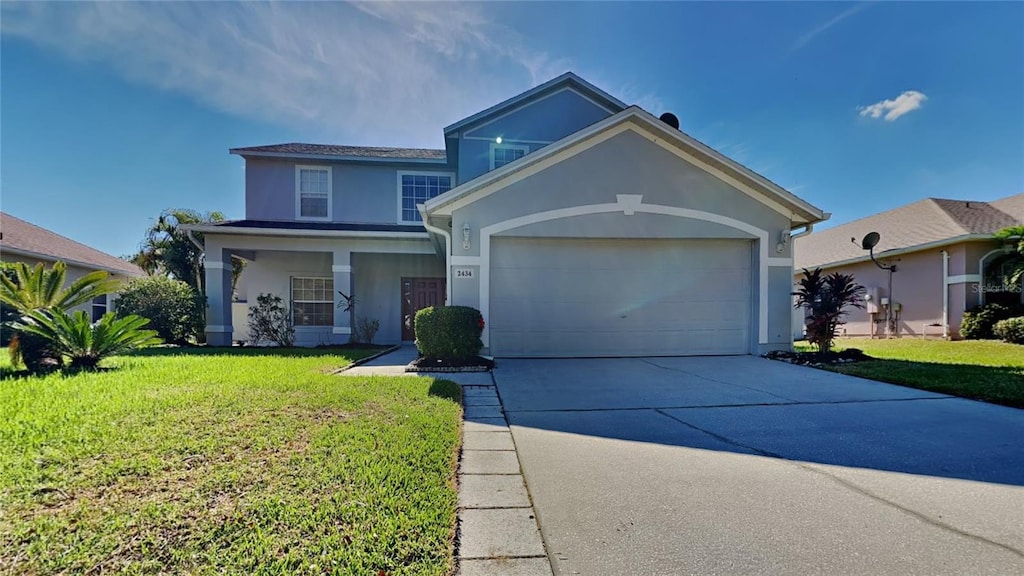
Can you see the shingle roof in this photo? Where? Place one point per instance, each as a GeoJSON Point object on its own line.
{"type": "Point", "coordinates": [301, 149]}
{"type": "Point", "coordinates": [922, 222]}
{"type": "Point", "coordinates": [21, 236]}
{"type": "Point", "coordinates": [346, 226]}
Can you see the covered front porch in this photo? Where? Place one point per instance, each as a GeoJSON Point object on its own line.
{"type": "Point", "coordinates": [388, 279]}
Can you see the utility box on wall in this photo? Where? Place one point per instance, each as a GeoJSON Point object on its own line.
{"type": "Point", "coordinates": [872, 300]}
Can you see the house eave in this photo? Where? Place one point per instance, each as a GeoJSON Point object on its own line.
{"type": "Point", "coordinates": [567, 78]}
{"type": "Point", "coordinates": [338, 158]}
{"type": "Point", "coordinates": [305, 233]}
{"type": "Point", "coordinates": [799, 211]}
{"type": "Point", "coordinates": [70, 262]}
{"type": "Point", "coordinates": [902, 251]}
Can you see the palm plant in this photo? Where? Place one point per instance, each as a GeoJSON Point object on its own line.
{"type": "Point", "coordinates": [826, 298]}
{"type": "Point", "coordinates": [28, 289]}
{"type": "Point", "coordinates": [84, 342]}
{"type": "Point", "coordinates": [1011, 235]}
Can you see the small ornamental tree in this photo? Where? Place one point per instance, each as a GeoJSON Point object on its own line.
{"type": "Point", "coordinates": [450, 333]}
{"type": "Point", "coordinates": [270, 322]}
{"type": "Point", "coordinates": [825, 299]}
{"type": "Point", "coordinates": [174, 309]}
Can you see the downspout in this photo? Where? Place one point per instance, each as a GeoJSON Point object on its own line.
{"type": "Point", "coordinates": [201, 282]}
{"type": "Point", "coordinates": [945, 294]}
{"type": "Point", "coordinates": [807, 230]}
{"type": "Point", "coordinates": [447, 253]}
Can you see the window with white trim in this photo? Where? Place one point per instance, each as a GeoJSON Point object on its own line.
{"type": "Point", "coordinates": [502, 154]}
{"type": "Point", "coordinates": [417, 188]}
{"type": "Point", "coordinates": [313, 192]}
{"type": "Point", "coordinates": [99, 307]}
{"type": "Point", "coordinates": [312, 301]}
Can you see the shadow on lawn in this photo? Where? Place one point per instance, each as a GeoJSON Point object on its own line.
{"type": "Point", "coordinates": [996, 384]}
{"type": "Point", "coordinates": [446, 389]}
{"type": "Point", "coordinates": [254, 351]}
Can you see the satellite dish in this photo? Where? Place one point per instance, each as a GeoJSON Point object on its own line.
{"type": "Point", "coordinates": [870, 241]}
{"type": "Point", "coordinates": [670, 119]}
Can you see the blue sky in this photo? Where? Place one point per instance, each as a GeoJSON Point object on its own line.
{"type": "Point", "coordinates": [112, 112]}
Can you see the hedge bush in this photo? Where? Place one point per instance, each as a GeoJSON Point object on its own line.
{"type": "Point", "coordinates": [449, 332]}
{"type": "Point", "coordinates": [174, 309]}
{"type": "Point", "coordinates": [979, 321]}
{"type": "Point", "coordinates": [1011, 330]}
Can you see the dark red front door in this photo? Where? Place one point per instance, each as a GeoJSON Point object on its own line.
{"type": "Point", "coordinates": [417, 294]}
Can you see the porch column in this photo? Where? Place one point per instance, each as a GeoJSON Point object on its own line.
{"type": "Point", "coordinates": [218, 298]}
{"type": "Point", "coordinates": [342, 270]}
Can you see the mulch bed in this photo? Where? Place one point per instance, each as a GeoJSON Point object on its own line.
{"type": "Point", "coordinates": [818, 358]}
{"type": "Point", "coordinates": [478, 364]}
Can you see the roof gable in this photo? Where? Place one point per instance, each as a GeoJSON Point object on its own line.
{"type": "Point", "coordinates": [922, 223]}
{"type": "Point", "coordinates": [20, 237]}
{"type": "Point", "coordinates": [633, 118]}
{"type": "Point", "coordinates": [565, 81]}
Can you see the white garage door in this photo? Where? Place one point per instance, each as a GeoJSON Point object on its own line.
{"type": "Point", "coordinates": [574, 297]}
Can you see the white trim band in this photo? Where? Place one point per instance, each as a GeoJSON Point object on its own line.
{"type": "Point", "coordinates": [465, 260]}
{"type": "Point", "coordinates": [780, 262]}
{"type": "Point", "coordinates": [215, 265]}
{"type": "Point", "coordinates": [341, 268]}
{"type": "Point", "coordinates": [219, 328]}
{"type": "Point", "coordinates": [963, 279]}
{"type": "Point", "coordinates": [341, 330]}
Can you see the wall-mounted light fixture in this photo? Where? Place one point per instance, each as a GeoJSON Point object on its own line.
{"type": "Point", "coordinates": [497, 140]}
{"type": "Point", "coordinates": [466, 231]}
{"type": "Point", "coordinates": [783, 242]}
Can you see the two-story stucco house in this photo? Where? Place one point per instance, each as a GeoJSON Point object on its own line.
{"type": "Point", "coordinates": [578, 225]}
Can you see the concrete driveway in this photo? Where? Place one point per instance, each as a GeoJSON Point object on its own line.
{"type": "Point", "coordinates": [739, 465]}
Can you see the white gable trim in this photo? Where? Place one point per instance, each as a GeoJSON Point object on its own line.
{"type": "Point", "coordinates": [530, 102]}
{"type": "Point", "coordinates": [632, 119]}
{"type": "Point", "coordinates": [625, 203]}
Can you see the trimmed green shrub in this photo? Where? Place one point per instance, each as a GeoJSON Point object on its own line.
{"type": "Point", "coordinates": [86, 342]}
{"type": "Point", "coordinates": [978, 322]}
{"type": "Point", "coordinates": [449, 332]}
{"type": "Point", "coordinates": [1010, 330]}
{"type": "Point", "coordinates": [174, 309]}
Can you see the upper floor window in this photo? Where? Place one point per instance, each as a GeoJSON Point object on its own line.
{"type": "Point", "coordinates": [418, 187]}
{"type": "Point", "coordinates": [313, 192]}
{"type": "Point", "coordinates": [502, 154]}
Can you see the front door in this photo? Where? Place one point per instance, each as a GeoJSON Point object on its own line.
{"type": "Point", "coordinates": [417, 294]}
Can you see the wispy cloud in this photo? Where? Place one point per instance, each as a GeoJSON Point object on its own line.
{"type": "Point", "coordinates": [892, 109]}
{"type": "Point", "coordinates": [806, 38]}
{"type": "Point", "coordinates": [374, 73]}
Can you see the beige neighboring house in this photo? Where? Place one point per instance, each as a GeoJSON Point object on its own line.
{"type": "Point", "coordinates": [946, 262]}
{"type": "Point", "coordinates": [22, 241]}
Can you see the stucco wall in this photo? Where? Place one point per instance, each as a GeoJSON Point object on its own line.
{"type": "Point", "coordinates": [378, 289]}
{"type": "Point", "coordinates": [360, 193]}
{"type": "Point", "coordinates": [535, 125]}
{"type": "Point", "coordinates": [918, 286]}
{"type": "Point", "coordinates": [629, 163]}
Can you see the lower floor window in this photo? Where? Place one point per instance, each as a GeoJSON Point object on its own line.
{"type": "Point", "coordinates": [99, 307]}
{"type": "Point", "coordinates": [312, 301]}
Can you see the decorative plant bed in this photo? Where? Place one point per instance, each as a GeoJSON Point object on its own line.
{"type": "Point", "coordinates": [478, 364]}
{"type": "Point", "coordinates": [818, 358]}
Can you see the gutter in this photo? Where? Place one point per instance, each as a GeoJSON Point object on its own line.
{"type": "Point", "coordinates": [945, 294]}
{"type": "Point", "coordinates": [195, 241]}
{"type": "Point", "coordinates": [447, 252]}
{"type": "Point", "coordinates": [51, 258]}
{"type": "Point", "coordinates": [907, 250]}
{"type": "Point", "coordinates": [306, 233]}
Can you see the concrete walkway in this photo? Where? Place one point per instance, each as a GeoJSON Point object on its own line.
{"type": "Point", "coordinates": [740, 465]}
{"type": "Point", "coordinates": [497, 526]}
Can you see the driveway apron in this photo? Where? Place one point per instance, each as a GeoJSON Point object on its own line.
{"type": "Point", "coordinates": [740, 465]}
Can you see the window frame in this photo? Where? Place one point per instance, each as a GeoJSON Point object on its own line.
{"type": "Point", "coordinates": [292, 300]}
{"type": "Point", "coordinates": [505, 145]}
{"type": "Point", "coordinates": [94, 306]}
{"type": "Point", "coordinates": [298, 192]}
{"type": "Point", "coordinates": [403, 173]}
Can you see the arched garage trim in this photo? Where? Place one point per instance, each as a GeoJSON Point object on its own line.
{"type": "Point", "coordinates": [628, 204]}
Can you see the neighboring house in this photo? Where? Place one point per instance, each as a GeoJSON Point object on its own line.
{"type": "Point", "coordinates": [946, 262]}
{"type": "Point", "coordinates": [21, 241]}
{"type": "Point", "coordinates": [578, 225]}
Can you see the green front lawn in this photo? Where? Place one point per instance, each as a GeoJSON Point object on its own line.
{"type": "Point", "coordinates": [987, 370]}
{"type": "Point", "coordinates": [240, 461]}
